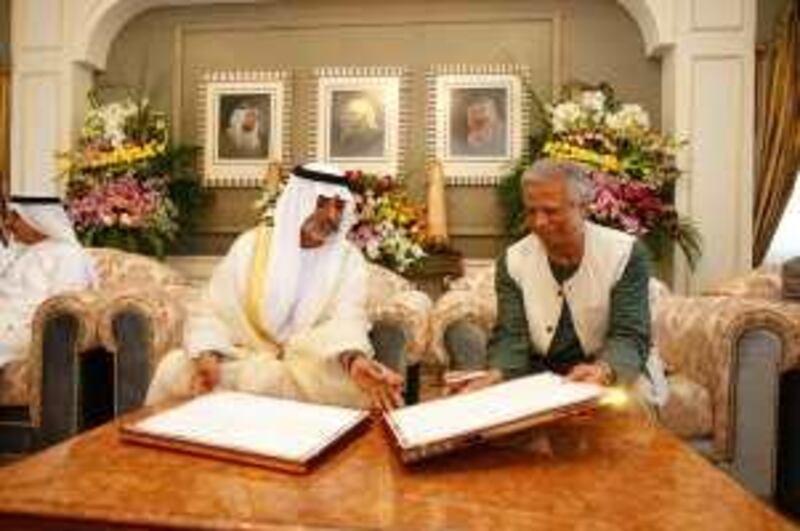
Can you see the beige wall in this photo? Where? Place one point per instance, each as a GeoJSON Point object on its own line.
{"type": "Point", "coordinates": [164, 51]}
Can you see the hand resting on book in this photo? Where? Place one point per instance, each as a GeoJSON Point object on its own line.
{"type": "Point", "coordinates": [456, 382]}
{"type": "Point", "coordinates": [206, 372]}
{"type": "Point", "coordinates": [383, 386]}
{"type": "Point", "coordinates": [599, 373]}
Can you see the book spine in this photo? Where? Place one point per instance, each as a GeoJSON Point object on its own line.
{"type": "Point", "coordinates": [413, 455]}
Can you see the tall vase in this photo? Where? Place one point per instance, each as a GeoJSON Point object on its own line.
{"type": "Point", "coordinates": [437, 207]}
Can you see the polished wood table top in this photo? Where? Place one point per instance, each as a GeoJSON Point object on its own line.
{"type": "Point", "coordinates": [610, 471]}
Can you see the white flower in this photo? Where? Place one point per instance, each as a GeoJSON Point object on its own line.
{"type": "Point", "coordinates": [566, 116]}
{"type": "Point", "coordinates": [593, 101]}
{"type": "Point", "coordinates": [630, 118]}
{"type": "Point", "coordinates": [373, 249]}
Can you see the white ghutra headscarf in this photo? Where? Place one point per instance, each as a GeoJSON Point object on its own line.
{"type": "Point", "coordinates": [301, 280]}
{"type": "Point", "coordinates": [46, 215]}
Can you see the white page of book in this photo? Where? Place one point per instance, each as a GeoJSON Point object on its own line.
{"type": "Point", "coordinates": [519, 398]}
{"type": "Point", "coordinates": [261, 425]}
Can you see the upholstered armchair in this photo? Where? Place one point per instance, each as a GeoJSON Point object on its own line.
{"type": "Point", "coordinates": [764, 285]}
{"type": "Point", "coordinates": [145, 317]}
{"type": "Point", "coordinates": [39, 397]}
{"type": "Point", "coordinates": [723, 357]}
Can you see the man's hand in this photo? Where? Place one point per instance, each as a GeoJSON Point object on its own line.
{"type": "Point", "coordinates": [456, 382]}
{"type": "Point", "coordinates": [383, 386]}
{"type": "Point", "coordinates": [599, 373]}
{"type": "Point", "coordinates": [206, 372]}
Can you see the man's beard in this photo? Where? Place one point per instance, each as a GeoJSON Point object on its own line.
{"type": "Point", "coordinates": [245, 140]}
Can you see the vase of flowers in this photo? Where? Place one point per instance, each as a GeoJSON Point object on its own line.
{"type": "Point", "coordinates": [126, 186]}
{"type": "Point", "coordinates": [632, 166]}
{"type": "Point", "coordinates": [391, 228]}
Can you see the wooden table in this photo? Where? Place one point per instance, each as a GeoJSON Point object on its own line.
{"type": "Point", "coordinates": [611, 471]}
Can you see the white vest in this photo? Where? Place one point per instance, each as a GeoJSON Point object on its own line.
{"type": "Point", "coordinates": [588, 291]}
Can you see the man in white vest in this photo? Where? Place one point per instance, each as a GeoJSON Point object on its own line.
{"type": "Point", "coordinates": [284, 313]}
{"type": "Point", "coordinates": [572, 296]}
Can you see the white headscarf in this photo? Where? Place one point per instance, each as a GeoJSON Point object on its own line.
{"type": "Point", "coordinates": [48, 218]}
{"type": "Point", "coordinates": [299, 279]}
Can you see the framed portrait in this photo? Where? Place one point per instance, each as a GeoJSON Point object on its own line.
{"type": "Point", "coordinates": [478, 120]}
{"type": "Point", "coordinates": [244, 125]}
{"type": "Point", "coordinates": [358, 121]}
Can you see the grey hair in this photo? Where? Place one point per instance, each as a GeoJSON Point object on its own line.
{"type": "Point", "coordinates": [575, 175]}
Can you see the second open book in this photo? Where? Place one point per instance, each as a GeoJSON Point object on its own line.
{"type": "Point", "coordinates": [290, 435]}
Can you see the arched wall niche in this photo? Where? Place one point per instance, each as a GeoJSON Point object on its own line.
{"type": "Point", "coordinates": [707, 96]}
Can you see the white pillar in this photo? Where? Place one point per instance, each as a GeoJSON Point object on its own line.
{"type": "Point", "coordinates": [37, 113]}
{"type": "Point", "coordinates": [708, 85]}
{"type": "Point", "coordinates": [48, 92]}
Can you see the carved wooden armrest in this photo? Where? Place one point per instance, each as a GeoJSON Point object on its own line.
{"type": "Point", "coordinates": [410, 310]}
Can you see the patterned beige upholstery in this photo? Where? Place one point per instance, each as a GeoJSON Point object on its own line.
{"type": "Point", "coordinates": [19, 380]}
{"type": "Point", "coordinates": [155, 290]}
{"type": "Point", "coordinates": [765, 286]}
{"type": "Point", "coordinates": [696, 336]}
{"type": "Point", "coordinates": [135, 282]}
{"type": "Point", "coordinates": [757, 284]}
{"type": "Point", "coordinates": [14, 384]}
{"type": "Point", "coordinates": [120, 276]}
{"type": "Point", "coordinates": [392, 298]}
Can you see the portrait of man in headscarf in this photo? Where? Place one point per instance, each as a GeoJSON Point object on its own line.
{"type": "Point", "coordinates": [478, 124]}
{"type": "Point", "coordinates": [357, 125]}
{"type": "Point", "coordinates": [244, 126]}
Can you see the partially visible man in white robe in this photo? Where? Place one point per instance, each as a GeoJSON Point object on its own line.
{"type": "Point", "coordinates": [43, 258]}
{"type": "Point", "coordinates": [284, 313]}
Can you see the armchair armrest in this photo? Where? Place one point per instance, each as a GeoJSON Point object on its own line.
{"type": "Point", "coordinates": [409, 310]}
{"type": "Point", "coordinates": [699, 338]}
{"type": "Point", "coordinates": [160, 311]}
{"type": "Point", "coordinates": [62, 326]}
{"type": "Point", "coordinates": [460, 305]}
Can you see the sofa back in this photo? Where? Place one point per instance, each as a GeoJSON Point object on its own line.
{"type": "Point", "coordinates": [122, 270]}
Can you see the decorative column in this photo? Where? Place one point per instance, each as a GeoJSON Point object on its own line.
{"type": "Point", "coordinates": [38, 114]}
{"type": "Point", "coordinates": [708, 94]}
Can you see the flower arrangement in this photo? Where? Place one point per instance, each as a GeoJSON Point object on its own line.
{"type": "Point", "coordinates": [126, 187]}
{"type": "Point", "coordinates": [390, 229]}
{"type": "Point", "coordinates": [632, 166]}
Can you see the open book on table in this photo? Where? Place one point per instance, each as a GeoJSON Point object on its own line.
{"type": "Point", "coordinates": [447, 424]}
{"type": "Point", "coordinates": [247, 428]}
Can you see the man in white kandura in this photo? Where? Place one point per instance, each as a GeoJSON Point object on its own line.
{"type": "Point", "coordinates": [284, 313]}
{"type": "Point", "coordinates": [40, 257]}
